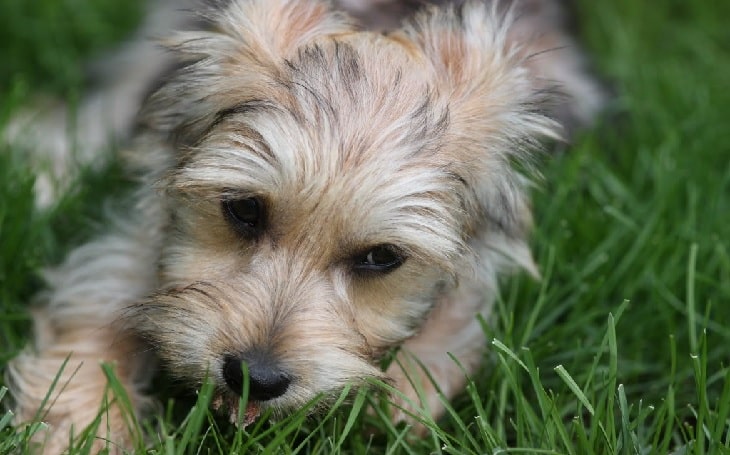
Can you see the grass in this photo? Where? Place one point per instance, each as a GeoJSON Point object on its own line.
{"type": "Point", "coordinates": [624, 345]}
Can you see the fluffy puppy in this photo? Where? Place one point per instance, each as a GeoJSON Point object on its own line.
{"type": "Point", "coordinates": [312, 195]}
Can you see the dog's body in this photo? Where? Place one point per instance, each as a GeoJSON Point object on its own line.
{"type": "Point", "coordinates": [312, 195]}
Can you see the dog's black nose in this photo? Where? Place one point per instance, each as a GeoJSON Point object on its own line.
{"type": "Point", "coordinates": [266, 380]}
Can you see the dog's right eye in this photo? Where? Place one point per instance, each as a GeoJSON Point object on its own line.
{"type": "Point", "coordinates": [245, 215]}
{"type": "Point", "coordinates": [382, 259]}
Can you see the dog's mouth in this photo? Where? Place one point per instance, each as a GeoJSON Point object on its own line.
{"type": "Point", "coordinates": [230, 404]}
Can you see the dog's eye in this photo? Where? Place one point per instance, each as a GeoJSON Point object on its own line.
{"type": "Point", "coordinates": [382, 258]}
{"type": "Point", "coordinates": [246, 215]}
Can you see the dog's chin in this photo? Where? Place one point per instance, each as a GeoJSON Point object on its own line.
{"type": "Point", "coordinates": [229, 404]}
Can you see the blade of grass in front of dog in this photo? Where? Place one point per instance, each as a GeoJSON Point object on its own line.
{"type": "Point", "coordinates": [5, 420]}
{"type": "Point", "coordinates": [196, 417]}
{"type": "Point", "coordinates": [400, 441]}
{"type": "Point", "coordinates": [568, 379]}
{"type": "Point", "coordinates": [604, 409]}
{"type": "Point", "coordinates": [263, 439]}
{"type": "Point", "coordinates": [287, 434]}
{"type": "Point", "coordinates": [83, 442]}
{"type": "Point", "coordinates": [691, 305]}
{"type": "Point", "coordinates": [397, 436]}
{"type": "Point", "coordinates": [666, 414]}
{"type": "Point", "coordinates": [699, 363]}
{"type": "Point", "coordinates": [486, 432]}
{"type": "Point", "coordinates": [294, 422]}
{"type": "Point", "coordinates": [42, 410]}
{"type": "Point", "coordinates": [261, 435]}
{"type": "Point", "coordinates": [722, 421]}
{"type": "Point", "coordinates": [512, 391]}
{"type": "Point", "coordinates": [548, 420]}
{"type": "Point", "coordinates": [412, 408]}
{"type": "Point", "coordinates": [115, 395]}
{"type": "Point", "coordinates": [628, 438]}
{"type": "Point", "coordinates": [554, 427]}
{"type": "Point", "coordinates": [259, 438]}
{"type": "Point", "coordinates": [504, 349]}
{"type": "Point", "coordinates": [425, 414]}
{"type": "Point", "coordinates": [527, 418]}
{"type": "Point", "coordinates": [536, 311]}
{"type": "Point", "coordinates": [544, 403]}
{"type": "Point", "coordinates": [355, 409]}
{"type": "Point", "coordinates": [610, 434]}
{"type": "Point", "coordinates": [11, 441]}
{"type": "Point", "coordinates": [40, 415]}
{"type": "Point", "coordinates": [456, 418]}
{"type": "Point", "coordinates": [122, 401]}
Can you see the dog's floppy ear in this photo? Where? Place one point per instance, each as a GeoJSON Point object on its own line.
{"type": "Point", "coordinates": [236, 56]}
{"type": "Point", "coordinates": [498, 113]}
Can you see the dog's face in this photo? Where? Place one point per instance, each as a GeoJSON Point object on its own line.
{"type": "Point", "coordinates": [326, 187]}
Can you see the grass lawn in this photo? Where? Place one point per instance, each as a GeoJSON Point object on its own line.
{"type": "Point", "coordinates": [624, 345]}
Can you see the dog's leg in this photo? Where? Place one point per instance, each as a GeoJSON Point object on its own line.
{"type": "Point", "coordinates": [82, 325]}
{"type": "Point", "coordinates": [452, 328]}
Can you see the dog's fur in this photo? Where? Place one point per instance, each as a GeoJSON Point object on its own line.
{"type": "Point", "coordinates": [382, 166]}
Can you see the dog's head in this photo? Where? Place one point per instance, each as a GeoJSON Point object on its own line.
{"type": "Point", "coordinates": [326, 185]}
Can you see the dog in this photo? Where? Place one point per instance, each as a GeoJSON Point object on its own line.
{"type": "Point", "coordinates": [318, 185]}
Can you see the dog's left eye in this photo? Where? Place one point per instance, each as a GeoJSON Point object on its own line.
{"type": "Point", "coordinates": [246, 215]}
{"type": "Point", "coordinates": [382, 258]}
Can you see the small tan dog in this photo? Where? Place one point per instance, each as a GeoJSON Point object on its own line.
{"type": "Point", "coordinates": [312, 196]}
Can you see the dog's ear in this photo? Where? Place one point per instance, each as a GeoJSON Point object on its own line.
{"type": "Point", "coordinates": [240, 50]}
{"type": "Point", "coordinates": [498, 113]}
